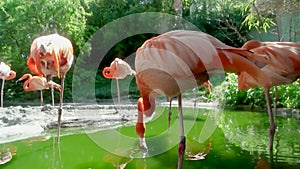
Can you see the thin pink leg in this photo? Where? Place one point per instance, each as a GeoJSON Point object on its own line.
{"type": "Point", "coordinates": [181, 146]}
{"type": "Point", "coordinates": [271, 120]}
{"type": "Point", "coordinates": [2, 89]}
{"type": "Point", "coordinates": [60, 108]}
{"type": "Point", "coordinates": [169, 113]}
{"type": "Point", "coordinates": [42, 98]}
{"type": "Point", "coordinates": [275, 103]}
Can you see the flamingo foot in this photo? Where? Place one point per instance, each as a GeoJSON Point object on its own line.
{"type": "Point", "coordinates": [181, 150]}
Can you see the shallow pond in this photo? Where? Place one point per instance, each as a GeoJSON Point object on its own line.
{"type": "Point", "coordinates": [215, 139]}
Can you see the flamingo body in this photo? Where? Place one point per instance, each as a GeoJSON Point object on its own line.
{"type": "Point", "coordinates": [33, 83]}
{"type": "Point", "coordinates": [283, 65]}
{"type": "Point", "coordinates": [50, 55]}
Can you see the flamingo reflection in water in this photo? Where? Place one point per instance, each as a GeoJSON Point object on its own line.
{"type": "Point", "coordinates": [5, 74]}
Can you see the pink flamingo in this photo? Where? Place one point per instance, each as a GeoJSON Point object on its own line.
{"type": "Point", "coordinates": [33, 83]}
{"type": "Point", "coordinates": [5, 74]}
{"type": "Point", "coordinates": [51, 56]}
{"type": "Point", "coordinates": [178, 60]}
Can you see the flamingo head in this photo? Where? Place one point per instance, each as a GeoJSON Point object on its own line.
{"type": "Point", "coordinates": [5, 72]}
{"type": "Point", "coordinates": [251, 44]}
{"type": "Point", "coordinates": [118, 69]}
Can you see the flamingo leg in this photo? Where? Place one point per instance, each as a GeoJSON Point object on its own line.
{"type": "Point", "coordinates": [271, 120]}
{"type": "Point", "coordinates": [60, 108]}
{"type": "Point", "coordinates": [41, 98]}
{"type": "Point", "coordinates": [181, 146]}
{"type": "Point", "coordinates": [2, 89]}
{"type": "Point", "coordinates": [275, 103]}
{"type": "Point", "coordinates": [169, 113]}
{"type": "Point", "coordinates": [52, 94]}
{"type": "Point", "coordinates": [195, 102]}
{"type": "Point", "coordinates": [118, 92]}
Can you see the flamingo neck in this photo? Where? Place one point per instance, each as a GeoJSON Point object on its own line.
{"type": "Point", "coordinates": [25, 76]}
{"type": "Point", "coordinates": [146, 104]}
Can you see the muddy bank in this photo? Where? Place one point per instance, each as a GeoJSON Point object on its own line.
{"type": "Point", "coordinates": [18, 122]}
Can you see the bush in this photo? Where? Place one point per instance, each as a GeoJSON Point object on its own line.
{"type": "Point", "coordinates": [228, 95]}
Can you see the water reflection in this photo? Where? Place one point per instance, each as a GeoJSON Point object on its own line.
{"type": "Point", "coordinates": [240, 140]}
{"type": "Point", "coordinates": [119, 162]}
{"type": "Point", "coordinates": [249, 131]}
{"type": "Point", "coordinates": [6, 153]}
{"type": "Point", "coordinates": [196, 150]}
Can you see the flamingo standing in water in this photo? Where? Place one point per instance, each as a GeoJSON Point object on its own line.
{"type": "Point", "coordinates": [170, 62]}
{"type": "Point", "coordinates": [282, 67]}
{"type": "Point", "coordinates": [5, 74]}
{"type": "Point", "coordinates": [51, 56]}
{"type": "Point", "coordinates": [180, 60]}
{"type": "Point", "coordinates": [33, 83]}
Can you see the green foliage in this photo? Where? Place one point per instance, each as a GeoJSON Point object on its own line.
{"type": "Point", "coordinates": [289, 95]}
{"type": "Point", "coordinates": [222, 19]}
{"type": "Point", "coordinates": [253, 22]}
{"type": "Point", "coordinates": [228, 94]}
{"type": "Point", "coordinates": [23, 21]}
{"type": "Point", "coordinates": [230, 21]}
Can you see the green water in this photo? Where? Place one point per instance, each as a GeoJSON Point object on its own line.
{"type": "Point", "coordinates": [228, 139]}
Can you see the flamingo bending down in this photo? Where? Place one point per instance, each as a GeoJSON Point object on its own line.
{"type": "Point", "coordinates": [33, 83]}
{"type": "Point", "coordinates": [283, 67]}
{"type": "Point", "coordinates": [177, 61]}
{"type": "Point", "coordinates": [5, 74]}
{"type": "Point", "coordinates": [51, 56]}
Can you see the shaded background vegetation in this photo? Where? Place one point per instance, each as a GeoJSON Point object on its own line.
{"type": "Point", "coordinates": [231, 21]}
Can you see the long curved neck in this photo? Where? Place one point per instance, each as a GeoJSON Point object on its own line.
{"type": "Point", "coordinates": [26, 85]}
{"type": "Point", "coordinates": [146, 105]}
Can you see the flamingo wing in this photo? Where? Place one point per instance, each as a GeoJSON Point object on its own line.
{"type": "Point", "coordinates": [283, 64]}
